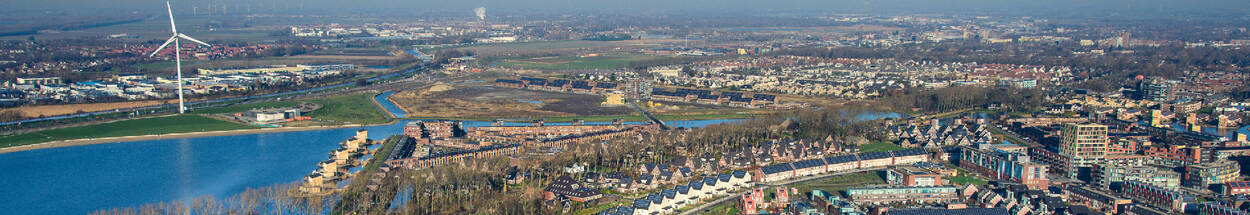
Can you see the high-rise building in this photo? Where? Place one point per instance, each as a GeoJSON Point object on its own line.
{"type": "Point", "coordinates": [1085, 144]}
{"type": "Point", "coordinates": [1156, 89]}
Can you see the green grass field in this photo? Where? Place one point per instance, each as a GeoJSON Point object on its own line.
{"type": "Point", "coordinates": [134, 127]}
{"type": "Point", "coordinates": [880, 147]}
{"type": "Point", "coordinates": [354, 108]}
{"type": "Point", "coordinates": [838, 184]}
{"type": "Point", "coordinates": [968, 180]}
{"type": "Point", "coordinates": [246, 107]}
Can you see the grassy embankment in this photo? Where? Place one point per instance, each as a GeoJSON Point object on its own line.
{"type": "Point", "coordinates": [134, 127]}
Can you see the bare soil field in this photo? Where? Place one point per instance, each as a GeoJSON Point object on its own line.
{"type": "Point", "coordinates": [561, 47]}
{"type": "Point", "coordinates": [490, 101]}
{"type": "Point", "coordinates": [53, 110]}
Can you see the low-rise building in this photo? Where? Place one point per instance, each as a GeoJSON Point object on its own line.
{"type": "Point", "coordinates": [1170, 200]}
{"type": "Point", "coordinates": [1206, 174]}
{"type": "Point", "coordinates": [899, 194]}
{"type": "Point", "coordinates": [912, 176]}
{"type": "Point", "coordinates": [1001, 165]}
{"type": "Point", "coordinates": [1095, 199]}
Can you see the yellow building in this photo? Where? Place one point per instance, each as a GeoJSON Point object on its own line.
{"type": "Point", "coordinates": [1156, 118]}
{"type": "Point", "coordinates": [1085, 144]}
{"type": "Point", "coordinates": [613, 99]}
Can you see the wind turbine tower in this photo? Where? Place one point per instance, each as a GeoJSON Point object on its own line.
{"type": "Point", "coordinates": [177, 53]}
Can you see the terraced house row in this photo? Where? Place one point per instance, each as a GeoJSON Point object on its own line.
{"type": "Point", "coordinates": [668, 201]}
{"type": "Point", "coordinates": [557, 85]}
{"type": "Point", "coordinates": [869, 160]}
{"type": "Point", "coordinates": [734, 99]}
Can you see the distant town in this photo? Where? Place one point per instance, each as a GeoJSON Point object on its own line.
{"type": "Point", "coordinates": [585, 112]}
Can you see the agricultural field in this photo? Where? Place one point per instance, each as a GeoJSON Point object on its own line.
{"type": "Point", "coordinates": [133, 127]}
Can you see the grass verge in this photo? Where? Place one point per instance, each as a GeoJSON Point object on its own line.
{"type": "Point", "coordinates": [880, 147]}
{"type": "Point", "coordinates": [838, 184]}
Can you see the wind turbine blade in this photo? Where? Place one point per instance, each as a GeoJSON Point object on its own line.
{"type": "Point", "coordinates": [171, 17]}
{"type": "Point", "coordinates": [171, 39]}
{"type": "Point", "coordinates": [184, 36]}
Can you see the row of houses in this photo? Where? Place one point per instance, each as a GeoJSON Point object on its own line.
{"type": "Point", "coordinates": [667, 201]}
{"type": "Point", "coordinates": [735, 99]}
{"type": "Point", "coordinates": [784, 171]}
{"type": "Point", "coordinates": [558, 85]}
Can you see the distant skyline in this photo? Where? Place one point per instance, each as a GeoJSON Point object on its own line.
{"type": "Point", "coordinates": [1144, 8]}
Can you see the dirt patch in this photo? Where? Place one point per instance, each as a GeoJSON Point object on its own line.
{"type": "Point", "coordinates": [491, 101]}
{"type": "Point", "coordinates": [55, 110]}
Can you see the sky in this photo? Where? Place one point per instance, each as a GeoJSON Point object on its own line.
{"type": "Point", "coordinates": [890, 7]}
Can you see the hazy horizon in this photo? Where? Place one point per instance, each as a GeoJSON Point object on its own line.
{"type": "Point", "coordinates": [1128, 8]}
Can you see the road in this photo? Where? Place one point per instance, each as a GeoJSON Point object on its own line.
{"type": "Point", "coordinates": [649, 116]}
{"type": "Point", "coordinates": [707, 205]}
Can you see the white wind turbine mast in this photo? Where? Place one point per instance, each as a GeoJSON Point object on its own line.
{"type": "Point", "coordinates": [177, 52]}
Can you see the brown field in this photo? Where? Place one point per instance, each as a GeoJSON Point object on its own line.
{"type": "Point", "coordinates": [827, 29]}
{"type": "Point", "coordinates": [53, 110]}
{"type": "Point", "coordinates": [562, 47]}
{"type": "Point", "coordinates": [344, 57]}
{"type": "Point", "coordinates": [490, 101]}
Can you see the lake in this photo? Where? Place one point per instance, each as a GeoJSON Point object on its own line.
{"type": "Point", "coordinates": [82, 179]}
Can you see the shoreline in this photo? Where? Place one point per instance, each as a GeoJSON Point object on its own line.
{"type": "Point", "coordinates": [107, 140]}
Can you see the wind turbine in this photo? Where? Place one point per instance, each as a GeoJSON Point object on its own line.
{"type": "Point", "coordinates": [177, 52]}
